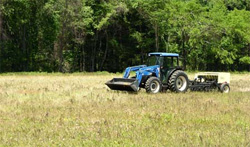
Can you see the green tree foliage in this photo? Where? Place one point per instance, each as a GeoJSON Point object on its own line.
{"type": "Point", "coordinates": [93, 35]}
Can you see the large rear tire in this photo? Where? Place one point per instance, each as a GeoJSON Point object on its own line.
{"type": "Point", "coordinates": [153, 85]}
{"type": "Point", "coordinates": [178, 82]}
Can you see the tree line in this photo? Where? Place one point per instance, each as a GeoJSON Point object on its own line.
{"type": "Point", "coordinates": [109, 35]}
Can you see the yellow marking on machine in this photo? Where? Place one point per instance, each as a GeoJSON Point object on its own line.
{"type": "Point", "coordinates": [221, 77]}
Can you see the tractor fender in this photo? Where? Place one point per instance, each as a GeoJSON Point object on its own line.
{"type": "Point", "coordinates": [145, 78]}
{"type": "Point", "coordinates": [172, 71]}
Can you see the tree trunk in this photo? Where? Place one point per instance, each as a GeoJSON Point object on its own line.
{"type": "Point", "coordinates": [83, 59]}
{"type": "Point", "coordinates": [60, 52]}
{"type": "Point", "coordinates": [55, 56]}
{"type": "Point", "coordinates": [1, 36]}
{"type": "Point", "coordinates": [24, 49]}
{"type": "Point", "coordinates": [74, 57]}
{"type": "Point", "coordinates": [80, 60]}
{"type": "Point", "coordinates": [62, 38]}
{"type": "Point", "coordinates": [156, 37]}
{"type": "Point", "coordinates": [184, 51]}
{"type": "Point", "coordinates": [167, 48]}
{"type": "Point", "coordinates": [98, 61]}
{"type": "Point", "coordinates": [93, 55]}
{"type": "Point", "coordinates": [249, 56]}
{"type": "Point", "coordinates": [82, 56]}
{"type": "Point", "coordinates": [105, 53]}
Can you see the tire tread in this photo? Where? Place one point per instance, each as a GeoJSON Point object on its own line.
{"type": "Point", "coordinates": [148, 82]}
{"type": "Point", "coordinates": [172, 79]}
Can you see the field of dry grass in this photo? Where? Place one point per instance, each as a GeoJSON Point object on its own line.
{"type": "Point", "coordinates": [78, 109]}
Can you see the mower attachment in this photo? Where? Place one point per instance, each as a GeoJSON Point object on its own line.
{"type": "Point", "coordinates": [123, 84]}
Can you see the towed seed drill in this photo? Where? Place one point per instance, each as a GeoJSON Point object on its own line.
{"type": "Point", "coordinates": [163, 72]}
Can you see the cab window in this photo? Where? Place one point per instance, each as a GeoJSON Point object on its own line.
{"type": "Point", "coordinates": [170, 62]}
{"type": "Point", "coordinates": [167, 62]}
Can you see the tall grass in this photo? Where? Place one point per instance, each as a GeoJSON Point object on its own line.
{"type": "Point", "coordinates": [78, 110]}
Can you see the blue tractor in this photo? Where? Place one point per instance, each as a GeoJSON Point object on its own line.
{"type": "Point", "coordinates": [162, 72]}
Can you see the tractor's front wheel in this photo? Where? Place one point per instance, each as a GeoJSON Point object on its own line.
{"type": "Point", "coordinates": [153, 85]}
{"type": "Point", "coordinates": [178, 82]}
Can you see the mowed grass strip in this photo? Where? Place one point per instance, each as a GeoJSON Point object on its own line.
{"type": "Point", "coordinates": [75, 110]}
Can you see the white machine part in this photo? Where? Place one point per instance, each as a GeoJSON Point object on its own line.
{"type": "Point", "coordinates": [222, 77]}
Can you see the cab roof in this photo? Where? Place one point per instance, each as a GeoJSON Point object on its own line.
{"type": "Point", "coordinates": [163, 54]}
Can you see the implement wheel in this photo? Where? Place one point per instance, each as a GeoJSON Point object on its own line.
{"type": "Point", "coordinates": [153, 85]}
{"type": "Point", "coordinates": [224, 88]}
{"type": "Point", "coordinates": [178, 82]}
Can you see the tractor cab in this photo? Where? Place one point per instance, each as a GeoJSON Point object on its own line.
{"type": "Point", "coordinates": [163, 59]}
{"type": "Point", "coordinates": [167, 62]}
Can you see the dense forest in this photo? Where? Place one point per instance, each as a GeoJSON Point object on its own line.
{"type": "Point", "coordinates": [109, 35]}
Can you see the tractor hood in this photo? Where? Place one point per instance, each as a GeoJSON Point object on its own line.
{"type": "Point", "coordinates": [141, 69]}
{"type": "Point", "coordinates": [149, 68]}
{"type": "Point", "coordinates": [132, 84]}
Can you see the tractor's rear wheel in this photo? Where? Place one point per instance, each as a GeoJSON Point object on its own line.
{"type": "Point", "coordinates": [153, 85]}
{"type": "Point", "coordinates": [178, 82]}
